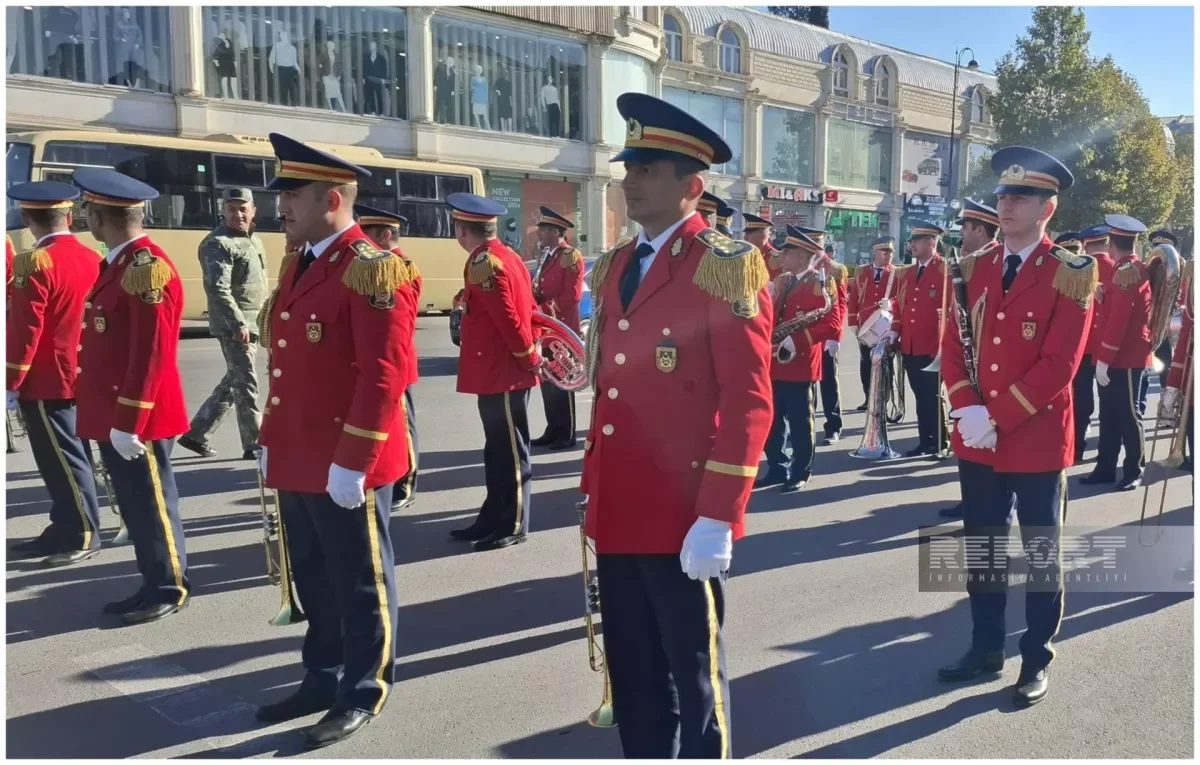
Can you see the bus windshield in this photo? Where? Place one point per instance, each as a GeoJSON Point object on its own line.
{"type": "Point", "coordinates": [18, 165]}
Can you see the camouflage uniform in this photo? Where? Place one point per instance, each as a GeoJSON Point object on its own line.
{"type": "Point", "coordinates": [235, 281]}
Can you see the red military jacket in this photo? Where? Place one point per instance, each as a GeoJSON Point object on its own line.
{"type": "Point", "coordinates": [52, 281]}
{"type": "Point", "coordinates": [410, 296]}
{"type": "Point", "coordinates": [841, 278]}
{"type": "Point", "coordinates": [338, 368]}
{"type": "Point", "coordinates": [683, 391]}
{"type": "Point", "coordinates": [128, 367]}
{"type": "Point", "coordinates": [1124, 327]}
{"type": "Point", "coordinates": [560, 286]}
{"type": "Point", "coordinates": [919, 302]}
{"type": "Point", "coordinates": [1106, 266]}
{"type": "Point", "coordinates": [774, 260]}
{"type": "Point", "coordinates": [792, 298]}
{"type": "Point", "coordinates": [866, 293]}
{"type": "Point", "coordinates": [9, 254]}
{"type": "Point", "coordinates": [1184, 357]}
{"type": "Point", "coordinates": [1028, 346]}
{"type": "Point", "coordinates": [497, 353]}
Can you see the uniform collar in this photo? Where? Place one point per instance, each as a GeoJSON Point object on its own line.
{"type": "Point", "coordinates": [319, 248]}
{"type": "Point", "coordinates": [51, 235]}
{"type": "Point", "coordinates": [115, 251]}
{"type": "Point", "coordinates": [661, 240]}
{"type": "Point", "coordinates": [1023, 254]}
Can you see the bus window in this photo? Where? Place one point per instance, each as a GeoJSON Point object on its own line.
{"type": "Point", "coordinates": [418, 185]}
{"type": "Point", "coordinates": [427, 219]}
{"type": "Point", "coordinates": [78, 219]}
{"type": "Point", "coordinates": [250, 173]}
{"type": "Point", "coordinates": [18, 165]}
{"type": "Point", "coordinates": [453, 184]}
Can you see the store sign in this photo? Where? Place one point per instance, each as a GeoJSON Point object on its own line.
{"type": "Point", "coordinates": [926, 166]}
{"type": "Point", "coordinates": [925, 205]}
{"type": "Point", "coordinates": [800, 194]}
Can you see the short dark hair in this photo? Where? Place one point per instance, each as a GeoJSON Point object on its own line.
{"type": "Point", "coordinates": [120, 216]}
{"type": "Point", "coordinates": [375, 231]}
{"type": "Point", "coordinates": [52, 218]}
{"type": "Point", "coordinates": [1124, 242]}
{"type": "Point", "coordinates": [685, 166]}
{"type": "Point", "coordinates": [988, 228]}
{"type": "Point", "coordinates": [478, 228]}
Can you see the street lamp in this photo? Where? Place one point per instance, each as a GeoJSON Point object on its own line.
{"type": "Point", "coordinates": [972, 65]}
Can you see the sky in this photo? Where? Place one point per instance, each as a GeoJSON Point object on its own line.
{"type": "Point", "coordinates": [1154, 44]}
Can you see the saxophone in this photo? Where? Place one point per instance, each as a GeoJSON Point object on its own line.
{"type": "Point", "coordinates": [962, 322]}
{"type": "Point", "coordinates": [801, 320]}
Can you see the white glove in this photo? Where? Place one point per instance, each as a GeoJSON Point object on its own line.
{"type": "Point", "coordinates": [986, 441]}
{"type": "Point", "coordinates": [345, 487]}
{"type": "Point", "coordinates": [1102, 373]}
{"type": "Point", "coordinates": [127, 445]}
{"type": "Point", "coordinates": [832, 346]}
{"type": "Point", "coordinates": [789, 345]}
{"type": "Point", "coordinates": [888, 339]}
{"type": "Point", "coordinates": [13, 398]}
{"type": "Point", "coordinates": [973, 423]}
{"type": "Point", "coordinates": [262, 461]}
{"type": "Point", "coordinates": [707, 549]}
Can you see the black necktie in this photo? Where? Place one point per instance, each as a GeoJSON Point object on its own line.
{"type": "Point", "coordinates": [920, 271]}
{"type": "Point", "coordinates": [633, 273]}
{"type": "Point", "coordinates": [1011, 264]}
{"type": "Point", "coordinates": [878, 273]}
{"type": "Point", "coordinates": [305, 262]}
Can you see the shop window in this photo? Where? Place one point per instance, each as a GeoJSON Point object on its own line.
{"type": "Point", "coordinates": [635, 75]}
{"type": "Point", "coordinates": [673, 34]}
{"type": "Point", "coordinates": [102, 45]}
{"type": "Point", "coordinates": [859, 156]}
{"type": "Point", "coordinates": [494, 78]}
{"type": "Point", "coordinates": [341, 58]}
{"type": "Point", "coordinates": [723, 115]}
{"type": "Point", "coordinates": [788, 145]}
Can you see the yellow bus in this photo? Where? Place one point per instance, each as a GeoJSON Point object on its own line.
{"type": "Point", "coordinates": [190, 175]}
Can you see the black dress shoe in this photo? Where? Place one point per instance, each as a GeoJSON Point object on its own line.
{"type": "Point", "coordinates": [471, 533]}
{"type": "Point", "coordinates": [1094, 477]}
{"type": "Point", "coordinates": [1032, 686]}
{"type": "Point", "coordinates": [67, 558]}
{"type": "Point", "coordinates": [562, 443]}
{"type": "Point", "coordinates": [132, 603]}
{"type": "Point", "coordinates": [250, 454]}
{"type": "Point", "coordinates": [192, 445]}
{"type": "Point", "coordinates": [45, 544]}
{"type": "Point", "coordinates": [335, 727]}
{"type": "Point", "coordinates": [498, 540]}
{"type": "Point", "coordinates": [769, 480]}
{"type": "Point", "coordinates": [152, 613]}
{"type": "Point", "coordinates": [793, 486]}
{"type": "Point", "coordinates": [973, 664]}
{"type": "Point", "coordinates": [1129, 484]}
{"type": "Point", "coordinates": [862, 408]}
{"type": "Point", "coordinates": [543, 440]}
{"type": "Point", "coordinates": [401, 503]}
{"type": "Point", "coordinates": [919, 451]}
{"type": "Point", "coordinates": [302, 703]}
{"type": "Point", "coordinates": [952, 512]}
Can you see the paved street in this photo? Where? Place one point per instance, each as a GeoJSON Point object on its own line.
{"type": "Point", "coordinates": [832, 650]}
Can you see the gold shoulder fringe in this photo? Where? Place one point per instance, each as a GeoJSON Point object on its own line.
{"type": "Point", "coordinates": [732, 278]}
{"type": "Point", "coordinates": [781, 282]}
{"type": "Point", "coordinates": [967, 266]}
{"type": "Point", "coordinates": [485, 269]}
{"type": "Point", "coordinates": [413, 272]}
{"type": "Point", "coordinates": [603, 264]}
{"type": "Point", "coordinates": [152, 273]}
{"type": "Point", "coordinates": [1078, 284]}
{"type": "Point", "coordinates": [376, 275]}
{"type": "Point", "coordinates": [31, 262]}
{"type": "Point", "coordinates": [288, 258]}
{"type": "Point", "coordinates": [571, 258]}
{"type": "Point", "coordinates": [264, 319]}
{"type": "Point", "coordinates": [838, 272]}
{"type": "Point", "coordinates": [1127, 276]}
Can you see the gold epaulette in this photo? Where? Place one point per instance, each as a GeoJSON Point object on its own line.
{"type": "Point", "coordinates": [603, 263]}
{"type": "Point", "coordinates": [1128, 275]}
{"type": "Point", "coordinates": [838, 272]}
{"type": "Point", "coordinates": [288, 257]}
{"type": "Point", "coordinates": [375, 272]}
{"type": "Point", "coordinates": [731, 271]}
{"type": "Point", "coordinates": [413, 271]}
{"type": "Point", "coordinates": [30, 262]}
{"type": "Point", "coordinates": [966, 265]}
{"type": "Point", "coordinates": [146, 276]}
{"type": "Point", "coordinates": [483, 268]}
{"type": "Point", "coordinates": [264, 319]}
{"type": "Point", "coordinates": [1077, 275]}
{"type": "Point", "coordinates": [570, 258]}
{"type": "Point", "coordinates": [830, 286]}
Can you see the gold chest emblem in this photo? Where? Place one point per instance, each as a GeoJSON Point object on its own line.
{"type": "Point", "coordinates": [99, 323]}
{"type": "Point", "coordinates": [1028, 330]}
{"type": "Point", "coordinates": [312, 330]}
{"type": "Point", "coordinates": [666, 357]}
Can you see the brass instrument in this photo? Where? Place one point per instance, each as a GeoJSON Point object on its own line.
{"type": "Point", "coordinates": [943, 449]}
{"type": "Point", "coordinates": [566, 365]}
{"type": "Point", "coordinates": [875, 444]}
{"type": "Point", "coordinates": [803, 319]}
{"type": "Point", "coordinates": [279, 565]}
{"type": "Point", "coordinates": [14, 428]}
{"type": "Point", "coordinates": [102, 478]}
{"type": "Point", "coordinates": [604, 717]}
{"type": "Point", "coordinates": [1156, 471]}
{"type": "Point", "coordinates": [1164, 268]}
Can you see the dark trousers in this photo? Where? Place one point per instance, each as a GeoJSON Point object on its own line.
{"type": "Point", "coordinates": [373, 97]}
{"type": "Point", "coordinates": [1084, 397]}
{"type": "Point", "coordinates": [924, 386]}
{"type": "Point", "coordinates": [1121, 424]}
{"type": "Point", "coordinates": [345, 575]}
{"type": "Point", "coordinates": [507, 471]}
{"type": "Point", "coordinates": [406, 487]}
{"type": "Point", "coordinates": [64, 463]}
{"type": "Point", "coordinates": [149, 502]}
{"type": "Point", "coordinates": [864, 369]}
{"type": "Point", "coordinates": [988, 501]}
{"type": "Point", "coordinates": [1163, 353]}
{"type": "Point", "coordinates": [666, 657]}
{"type": "Point", "coordinates": [559, 405]}
{"type": "Point", "coordinates": [553, 120]}
{"type": "Point", "coordinates": [289, 85]}
{"type": "Point", "coordinates": [830, 393]}
{"type": "Point", "coordinates": [795, 412]}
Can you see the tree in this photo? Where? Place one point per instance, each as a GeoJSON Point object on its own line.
{"type": "Point", "coordinates": [817, 15]}
{"type": "Point", "coordinates": [1182, 220]}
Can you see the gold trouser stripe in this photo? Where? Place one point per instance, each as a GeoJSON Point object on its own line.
{"type": "Point", "coordinates": [19, 367]}
{"type": "Point", "coordinates": [512, 440]}
{"type": "Point", "coordinates": [812, 417]}
{"type": "Point", "coordinates": [75, 493]}
{"type": "Point", "coordinates": [957, 387]}
{"type": "Point", "coordinates": [1133, 418]}
{"type": "Point", "coordinates": [385, 614]}
{"type": "Point", "coordinates": [725, 468]}
{"type": "Point", "coordinates": [1020, 397]}
{"type": "Point", "coordinates": [714, 668]}
{"type": "Point", "coordinates": [134, 403]}
{"type": "Point", "coordinates": [412, 455]}
{"type": "Point", "coordinates": [160, 505]}
{"type": "Point", "coordinates": [374, 435]}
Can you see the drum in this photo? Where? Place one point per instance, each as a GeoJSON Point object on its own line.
{"type": "Point", "coordinates": [878, 324]}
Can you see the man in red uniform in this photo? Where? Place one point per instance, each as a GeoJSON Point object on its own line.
{"type": "Point", "coordinates": [557, 291]}
{"type": "Point", "coordinates": [869, 288]}
{"type": "Point", "coordinates": [708, 206]}
{"type": "Point", "coordinates": [1095, 245]}
{"type": "Point", "coordinates": [497, 362]}
{"type": "Point", "coordinates": [757, 232]}
{"type": "Point", "coordinates": [1121, 358]}
{"type": "Point", "coordinates": [334, 438]}
{"type": "Point", "coordinates": [1183, 362]}
{"type": "Point", "coordinates": [51, 282]}
{"type": "Point", "coordinates": [796, 367]}
{"type": "Point", "coordinates": [384, 229]}
{"type": "Point", "coordinates": [921, 296]}
{"type": "Point", "coordinates": [128, 387]}
{"type": "Point", "coordinates": [1014, 434]}
{"type": "Point", "coordinates": [831, 390]}
{"type": "Point", "coordinates": [681, 343]}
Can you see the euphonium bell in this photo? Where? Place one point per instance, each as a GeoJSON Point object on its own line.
{"type": "Point", "coordinates": [565, 366]}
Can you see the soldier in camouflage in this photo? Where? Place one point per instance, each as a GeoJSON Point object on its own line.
{"type": "Point", "coordinates": [234, 263]}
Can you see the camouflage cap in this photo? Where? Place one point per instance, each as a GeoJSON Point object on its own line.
{"type": "Point", "coordinates": [237, 195]}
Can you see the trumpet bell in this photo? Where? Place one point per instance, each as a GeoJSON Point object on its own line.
{"type": "Point", "coordinates": [603, 717]}
{"type": "Point", "coordinates": [936, 364]}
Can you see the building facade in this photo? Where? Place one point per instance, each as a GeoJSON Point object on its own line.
{"type": "Point", "coordinates": [825, 129]}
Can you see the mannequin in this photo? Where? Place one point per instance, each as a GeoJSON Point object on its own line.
{"type": "Point", "coordinates": [445, 83]}
{"type": "Point", "coordinates": [224, 60]}
{"type": "Point", "coordinates": [504, 104]}
{"type": "Point", "coordinates": [329, 80]}
{"type": "Point", "coordinates": [375, 77]}
{"type": "Point", "coordinates": [479, 99]}
{"type": "Point", "coordinates": [549, 101]}
{"type": "Point", "coordinates": [284, 61]}
{"type": "Point", "coordinates": [127, 36]}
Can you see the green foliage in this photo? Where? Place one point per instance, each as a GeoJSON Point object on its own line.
{"type": "Point", "coordinates": [817, 15]}
{"type": "Point", "coordinates": [1183, 212]}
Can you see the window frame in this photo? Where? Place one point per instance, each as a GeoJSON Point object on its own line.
{"type": "Point", "coordinates": [841, 70]}
{"type": "Point", "coordinates": [729, 55]}
{"type": "Point", "coordinates": [673, 39]}
{"type": "Point", "coordinates": [882, 81]}
{"type": "Point", "coordinates": [769, 174]}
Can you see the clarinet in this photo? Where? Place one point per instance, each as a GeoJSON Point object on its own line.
{"type": "Point", "coordinates": [962, 318]}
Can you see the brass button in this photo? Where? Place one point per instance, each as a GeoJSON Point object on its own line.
{"type": "Point", "coordinates": [1000, 315]}
{"type": "Point", "coordinates": [1029, 315]}
{"type": "Point", "coordinates": [995, 341]}
{"type": "Point", "coordinates": [695, 464]}
{"type": "Point", "coordinates": [83, 325]}
{"type": "Point", "coordinates": [79, 347]}
{"type": "Point", "coordinates": [666, 331]}
{"type": "Point", "coordinates": [282, 343]}
{"type": "Point", "coordinates": [993, 394]}
{"type": "Point", "coordinates": [623, 324]}
{"type": "Point", "coordinates": [995, 367]}
{"type": "Point", "coordinates": [275, 373]}
{"type": "Point", "coordinates": [607, 430]}
{"type": "Point", "coordinates": [78, 370]}
{"type": "Point", "coordinates": [87, 305]}
{"type": "Point", "coordinates": [285, 316]}
{"type": "Point", "coordinates": [1050, 407]}
{"type": "Point", "coordinates": [612, 392]}
{"type": "Point", "coordinates": [313, 317]}
{"type": "Point", "coordinates": [274, 400]}
{"type": "Point", "coordinates": [337, 419]}
{"type": "Point", "coordinates": [115, 388]}
{"type": "Point", "coordinates": [620, 359]}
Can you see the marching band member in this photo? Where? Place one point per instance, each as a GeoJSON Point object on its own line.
{"type": "Point", "coordinates": [1122, 357]}
{"type": "Point", "coordinates": [1183, 362]}
{"type": "Point", "coordinates": [497, 362]}
{"type": "Point", "coordinates": [724, 220]}
{"type": "Point", "coordinates": [1012, 401]}
{"type": "Point", "coordinates": [757, 232]}
{"type": "Point", "coordinates": [831, 403]}
{"type": "Point", "coordinates": [557, 293]}
{"type": "Point", "coordinates": [1071, 241]}
{"type": "Point", "coordinates": [334, 440]}
{"type": "Point", "coordinates": [384, 229]}
{"type": "Point", "coordinates": [920, 296]}
{"type": "Point", "coordinates": [51, 283]}
{"type": "Point", "coordinates": [681, 339]}
{"type": "Point", "coordinates": [708, 206]}
{"type": "Point", "coordinates": [128, 387]}
{"type": "Point", "coordinates": [868, 290]}
{"type": "Point", "coordinates": [799, 290]}
{"type": "Point", "coordinates": [1095, 245]}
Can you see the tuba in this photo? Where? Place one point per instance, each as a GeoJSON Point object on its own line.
{"type": "Point", "coordinates": [565, 366]}
{"type": "Point", "coordinates": [875, 444]}
{"type": "Point", "coordinates": [604, 716]}
{"type": "Point", "coordinates": [1164, 268]}
{"type": "Point", "coordinates": [279, 561]}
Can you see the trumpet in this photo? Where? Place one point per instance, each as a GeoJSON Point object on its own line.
{"type": "Point", "coordinates": [279, 562]}
{"type": "Point", "coordinates": [604, 717]}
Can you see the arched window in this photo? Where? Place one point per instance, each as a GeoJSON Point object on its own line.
{"type": "Point", "coordinates": [841, 74]}
{"type": "Point", "coordinates": [883, 84]}
{"type": "Point", "coordinates": [730, 52]}
{"type": "Point", "coordinates": [977, 105]}
{"type": "Point", "coordinates": [674, 37]}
